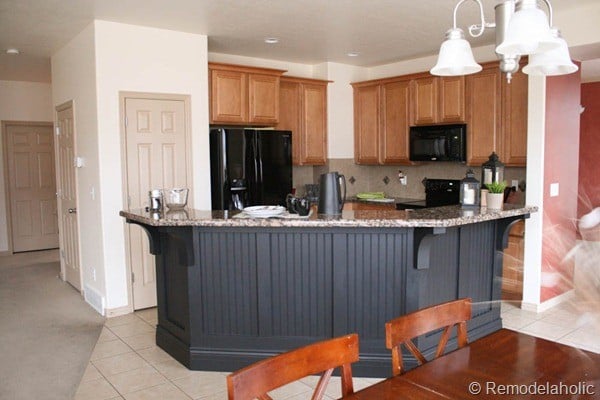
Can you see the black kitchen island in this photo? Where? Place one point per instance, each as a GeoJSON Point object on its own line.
{"type": "Point", "coordinates": [232, 290]}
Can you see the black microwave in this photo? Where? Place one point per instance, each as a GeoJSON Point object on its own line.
{"type": "Point", "coordinates": [438, 143]}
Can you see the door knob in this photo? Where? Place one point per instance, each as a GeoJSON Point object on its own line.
{"type": "Point", "coordinates": [72, 211]}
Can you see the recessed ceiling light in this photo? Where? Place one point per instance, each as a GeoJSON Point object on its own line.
{"type": "Point", "coordinates": [271, 40]}
{"type": "Point", "coordinates": [12, 51]}
{"type": "Point", "coordinates": [353, 54]}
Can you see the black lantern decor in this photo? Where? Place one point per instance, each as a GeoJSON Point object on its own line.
{"type": "Point", "coordinates": [492, 170]}
{"type": "Point", "coordinates": [469, 190]}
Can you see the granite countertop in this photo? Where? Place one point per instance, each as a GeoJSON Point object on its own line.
{"type": "Point", "coordinates": [446, 216]}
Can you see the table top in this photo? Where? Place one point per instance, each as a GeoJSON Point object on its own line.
{"type": "Point", "coordinates": [504, 364]}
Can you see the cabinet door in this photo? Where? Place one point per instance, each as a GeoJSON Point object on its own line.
{"type": "Point", "coordinates": [366, 124]}
{"type": "Point", "coordinates": [228, 91]}
{"type": "Point", "coordinates": [290, 116]}
{"type": "Point", "coordinates": [514, 121]}
{"type": "Point", "coordinates": [512, 267]}
{"type": "Point", "coordinates": [314, 120]}
{"type": "Point", "coordinates": [483, 114]}
{"type": "Point", "coordinates": [395, 112]}
{"type": "Point", "coordinates": [425, 101]}
{"type": "Point", "coordinates": [452, 99]}
{"type": "Point", "coordinates": [263, 99]}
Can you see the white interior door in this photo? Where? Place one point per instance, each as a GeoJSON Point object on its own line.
{"type": "Point", "coordinates": [67, 197]}
{"type": "Point", "coordinates": [32, 186]}
{"type": "Point", "coordinates": [156, 159]}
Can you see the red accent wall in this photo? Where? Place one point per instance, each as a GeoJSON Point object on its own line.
{"type": "Point", "coordinates": [589, 149]}
{"type": "Point", "coordinates": [561, 165]}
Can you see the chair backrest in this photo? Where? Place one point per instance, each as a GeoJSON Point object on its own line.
{"type": "Point", "coordinates": [256, 380]}
{"type": "Point", "coordinates": [402, 330]}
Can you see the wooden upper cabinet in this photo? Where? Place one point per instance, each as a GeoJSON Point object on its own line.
{"type": "Point", "coordinates": [381, 122]}
{"type": "Point", "coordinates": [303, 111]}
{"type": "Point", "coordinates": [495, 113]}
{"type": "Point", "coordinates": [263, 99]}
{"type": "Point", "coordinates": [425, 100]}
{"type": "Point", "coordinates": [438, 100]}
{"type": "Point", "coordinates": [451, 99]}
{"type": "Point", "coordinates": [483, 114]}
{"type": "Point", "coordinates": [243, 95]}
{"type": "Point", "coordinates": [395, 111]}
{"type": "Point", "coordinates": [366, 124]}
{"type": "Point", "coordinates": [229, 98]}
{"type": "Point", "coordinates": [514, 121]}
{"type": "Point", "coordinates": [497, 117]}
{"type": "Point", "coordinates": [290, 115]}
{"type": "Point", "coordinates": [314, 107]}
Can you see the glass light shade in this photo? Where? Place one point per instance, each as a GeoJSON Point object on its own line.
{"type": "Point", "coordinates": [553, 62]}
{"type": "Point", "coordinates": [528, 32]}
{"type": "Point", "coordinates": [456, 57]}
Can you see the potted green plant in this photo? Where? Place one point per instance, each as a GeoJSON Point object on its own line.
{"type": "Point", "coordinates": [495, 196]}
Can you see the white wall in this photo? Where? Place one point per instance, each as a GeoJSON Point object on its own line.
{"type": "Point", "coordinates": [74, 78]}
{"type": "Point", "coordinates": [293, 69]}
{"type": "Point", "coordinates": [481, 54]}
{"type": "Point", "coordinates": [340, 106]}
{"type": "Point", "coordinates": [135, 58]}
{"type": "Point", "coordinates": [20, 101]}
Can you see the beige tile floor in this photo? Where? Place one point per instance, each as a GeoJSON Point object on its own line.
{"type": "Point", "coordinates": [126, 364]}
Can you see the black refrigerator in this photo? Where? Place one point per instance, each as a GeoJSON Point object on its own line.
{"type": "Point", "coordinates": [249, 167]}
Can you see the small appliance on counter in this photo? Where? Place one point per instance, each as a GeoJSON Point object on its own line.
{"type": "Point", "coordinates": [298, 205]}
{"type": "Point", "coordinates": [438, 192]}
{"type": "Point", "coordinates": [331, 187]}
{"type": "Point", "coordinates": [312, 192]}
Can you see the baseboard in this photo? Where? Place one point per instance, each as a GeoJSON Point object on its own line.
{"type": "Point", "coordinates": [548, 304]}
{"type": "Point", "coordinates": [116, 312]}
{"type": "Point", "coordinates": [6, 253]}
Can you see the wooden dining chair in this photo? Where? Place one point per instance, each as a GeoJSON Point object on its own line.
{"type": "Point", "coordinates": [402, 330]}
{"type": "Point", "coordinates": [256, 380]}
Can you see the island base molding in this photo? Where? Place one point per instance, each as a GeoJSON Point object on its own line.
{"type": "Point", "coordinates": [224, 360]}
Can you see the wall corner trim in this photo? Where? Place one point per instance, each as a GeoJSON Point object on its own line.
{"type": "Point", "coordinates": [118, 311]}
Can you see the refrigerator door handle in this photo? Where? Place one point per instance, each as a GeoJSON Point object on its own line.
{"type": "Point", "coordinates": [259, 158]}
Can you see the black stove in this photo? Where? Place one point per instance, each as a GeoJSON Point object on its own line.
{"type": "Point", "coordinates": [438, 192]}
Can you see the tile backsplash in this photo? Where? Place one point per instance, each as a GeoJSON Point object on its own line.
{"type": "Point", "coordinates": [371, 178]}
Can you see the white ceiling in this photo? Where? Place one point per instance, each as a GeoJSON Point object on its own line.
{"type": "Point", "coordinates": [310, 31]}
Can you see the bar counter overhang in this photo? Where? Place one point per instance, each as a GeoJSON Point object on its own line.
{"type": "Point", "coordinates": [232, 291]}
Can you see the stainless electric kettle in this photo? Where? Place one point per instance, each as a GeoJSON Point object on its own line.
{"type": "Point", "coordinates": [331, 199]}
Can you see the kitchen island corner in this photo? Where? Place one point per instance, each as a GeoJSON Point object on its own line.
{"type": "Point", "coordinates": [232, 290]}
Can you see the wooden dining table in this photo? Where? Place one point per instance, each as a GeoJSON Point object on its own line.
{"type": "Point", "coordinates": [505, 364]}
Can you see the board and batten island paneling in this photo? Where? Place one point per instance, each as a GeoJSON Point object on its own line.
{"type": "Point", "coordinates": [232, 290]}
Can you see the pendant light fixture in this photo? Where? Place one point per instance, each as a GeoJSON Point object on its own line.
{"type": "Point", "coordinates": [456, 56]}
{"type": "Point", "coordinates": [522, 28]}
{"type": "Point", "coordinates": [528, 31]}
